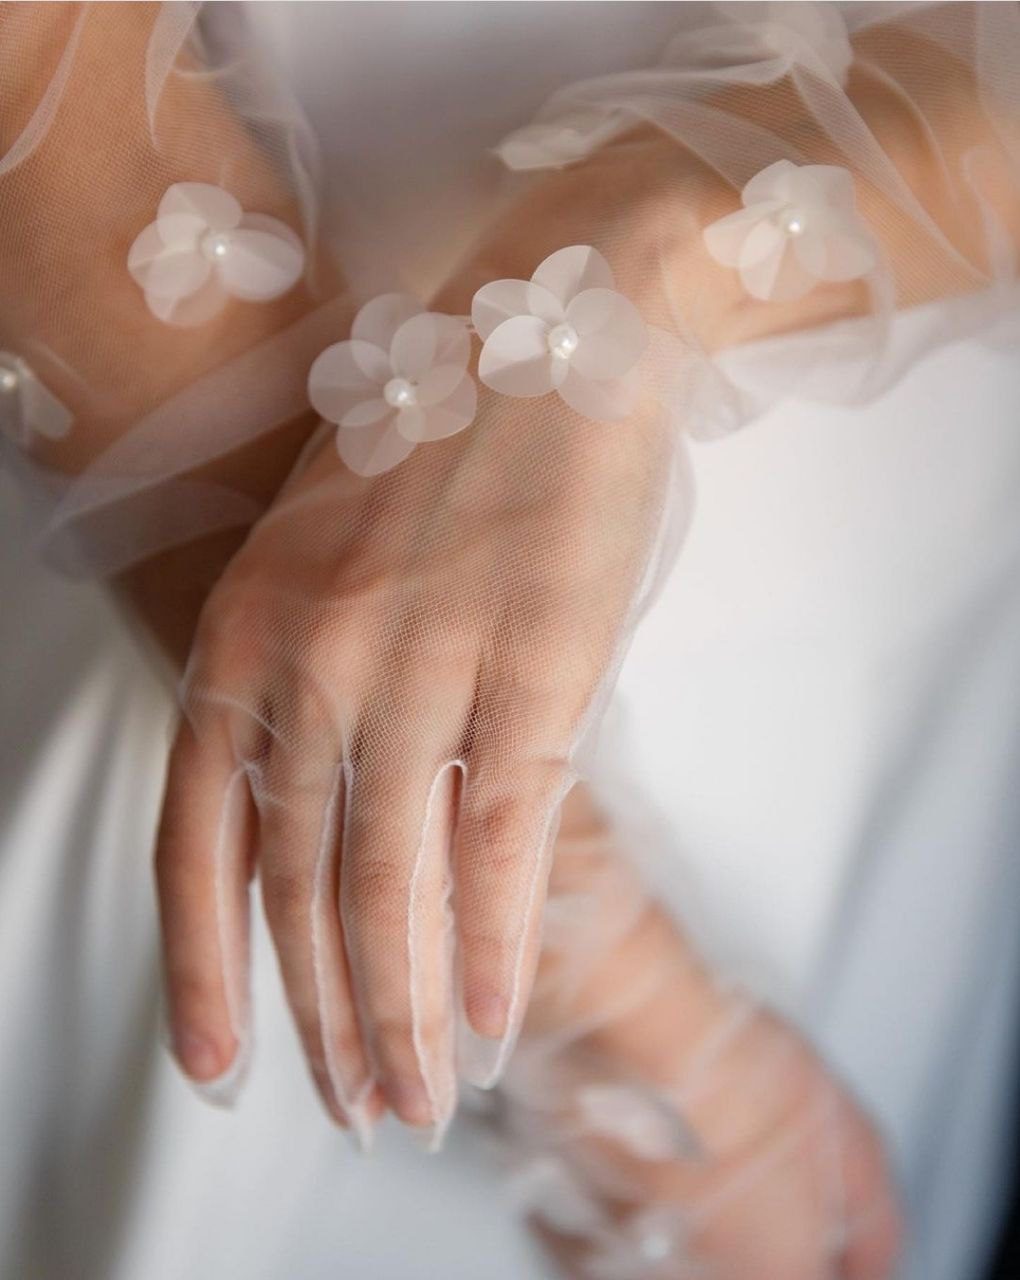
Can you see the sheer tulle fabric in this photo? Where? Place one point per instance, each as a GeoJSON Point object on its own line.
{"type": "Point", "coordinates": [90, 164]}
{"type": "Point", "coordinates": [961, 226]}
{"type": "Point", "coordinates": [205, 105]}
{"type": "Point", "coordinates": [403, 714]}
{"type": "Point", "coordinates": [659, 1123]}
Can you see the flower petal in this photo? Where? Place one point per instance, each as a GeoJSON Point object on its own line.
{"type": "Point", "coordinates": [774, 182]}
{"type": "Point", "coordinates": [163, 271]}
{"type": "Point", "coordinates": [194, 207]}
{"type": "Point", "coordinates": [569, 271]}
{"type": "Point", "coordinates": [516, 360]}
{"type": "Point", "coordinates": [439, 382]}
{"type": "Point", "coordinates": [409, 422]}
{"type": "Point", "coordinates": [369, 451]}
{"type": "Point", "coordinates": [607, 401]}
{"type": "Point", "coordinates": [778, 277]}
{"type": "Point", "coordinates": [828, 184]}
{"type": "Point", "coordinates": [611, 331]}
{"type": "Point", "coordinates": [437, 421]}
{"type": "Point", "coordinates": [426, 340]}
{"type": "Point", "coordinates": [145, 249]}
{"type": "Point", "coordinates": [344, 376]}
{"type": "Point", "coordinates": [365, 413]}
{"type": "Point", "coordinates": [189, 311]}
{"type": "Point", "coordinates": [763, 241]}
{"type": "Point", "coordinates": [724, 239]}
{"type": "Point", "coordinates": [379, 320]}
{"type": "Point", "coordinates": [501, 299]}
{"type": "Point", "coordinates": [373, 362]}
{"type": "Point", "coordinates": [263, 260]}
{"type": "Point", "coordinates": [180, 231]}
{"type": "Point", "coordinates": [274, 226]}
{"type": "Point", "coordinates": [811, 252]}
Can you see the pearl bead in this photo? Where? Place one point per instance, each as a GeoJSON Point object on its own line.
{"type": "Point", "coordinates": [563, 341]}
{"type": "Point", "coordinates": [400, 394]}
{"type": "Point", "coordinates": [216, 245]}
{"type": "Point", "coordinates": [8, 380]}
{"type": "Point", "coordinates": [656, 1246]}
{"type": "Point", "coordinates": [792, 222]}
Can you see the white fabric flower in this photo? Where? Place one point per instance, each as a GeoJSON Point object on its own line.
{"type": "Point", "coordinates": [573, 134]}
{"type": "Point", "coordinates": [400, 379]}
{"type": "Point", "coordinates": [799, 227]}
{"type": "Point", "coordinates": [204, 248]}
{"type": "Point", "coordinates": [565, 330]}
{"type": "Point", "coordinates": [652, 1244]}
{"type": "Point", "coordinates": [27, 407]}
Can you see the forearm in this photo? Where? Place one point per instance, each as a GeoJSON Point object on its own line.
{"type": "Point", "coordinates": [645, 201]}
{"type": "Point", "coordinates": [69, 218]}
{"type": "Point", "coordinates": [642, 200]}
{"type": "Point", "coordinates": [90, 139]}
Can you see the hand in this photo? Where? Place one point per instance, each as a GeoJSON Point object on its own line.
{"type": "Point", "coordinates": [382, 705]}
{"type": "Point", "coordinates": [671, 1128]}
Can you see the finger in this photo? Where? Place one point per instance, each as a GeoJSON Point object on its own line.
{"type": "Point", "coordinates": [395, 884]}
{"type": "Point", "coordinates": [874, 1228]}
{"type": "Point", "coordinates": [202, 874]}
{"type": "Point", "coordinates": [527, 720]}
{"type": "Point", "coordinates": [301, 799]}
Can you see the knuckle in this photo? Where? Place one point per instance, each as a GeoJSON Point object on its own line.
{"type": "Point", "coordinates": [503, 835]}
{"type": "Point", "coordinates": [372, 896]}
{"type": "Point", "coordinates": [329, 646]}
{"type": "Point", "coordinates": [229, 632]}
{"type": "Point", "coordinates": [446, 649]}
{"type": "Point", "coordinates": [287, 896]}
{"type": "Point", "coordinates": [496, 854]}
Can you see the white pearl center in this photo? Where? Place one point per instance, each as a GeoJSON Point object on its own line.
{"type": "Point", "coordinates": [400, 394]}
{"type": "Point", "coordinates": [216, 244]}
{"type": "Point", "coordinates": [792, 221]}
{"type": "Point", "coordinates": [8, 380]}
{"type": "Point", "coordinates": [656, 1246]}
{"type": "Point", "coordinates": [563, 341]}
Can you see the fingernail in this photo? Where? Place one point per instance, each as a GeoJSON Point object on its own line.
{"type": "Point", "coordinates": [223, 1090]}
{"type": "Point", "coordinates": [482, 1060]}
{"type": "Point", "coordinates": [199, 1058]}
{"type": "Point", "coordinates": [487, 1015]}
{"type": "Point", "coordinates": [361, 1115]}
{"type": "Point", "coordinates": [431, 1140]}
{"type": "Point", "coordinates": [355, 1115]}
{"type": "Point", "coordinates": [439, 1078]}
{"type": "Point", "coordinates": [411, 1103]}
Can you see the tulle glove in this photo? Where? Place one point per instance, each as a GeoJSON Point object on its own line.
{"type": "Point", "coordinates": [873, 168]}
{"type": "Point", "coordinates": [394, 680]}
{"type": "Point", "coordinates": [660, 1124]}
{"type": "Point", "coordinates": [389, 684]}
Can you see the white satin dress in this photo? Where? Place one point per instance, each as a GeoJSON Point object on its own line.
{"type": "Point", "coordinates": [822, 712]}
